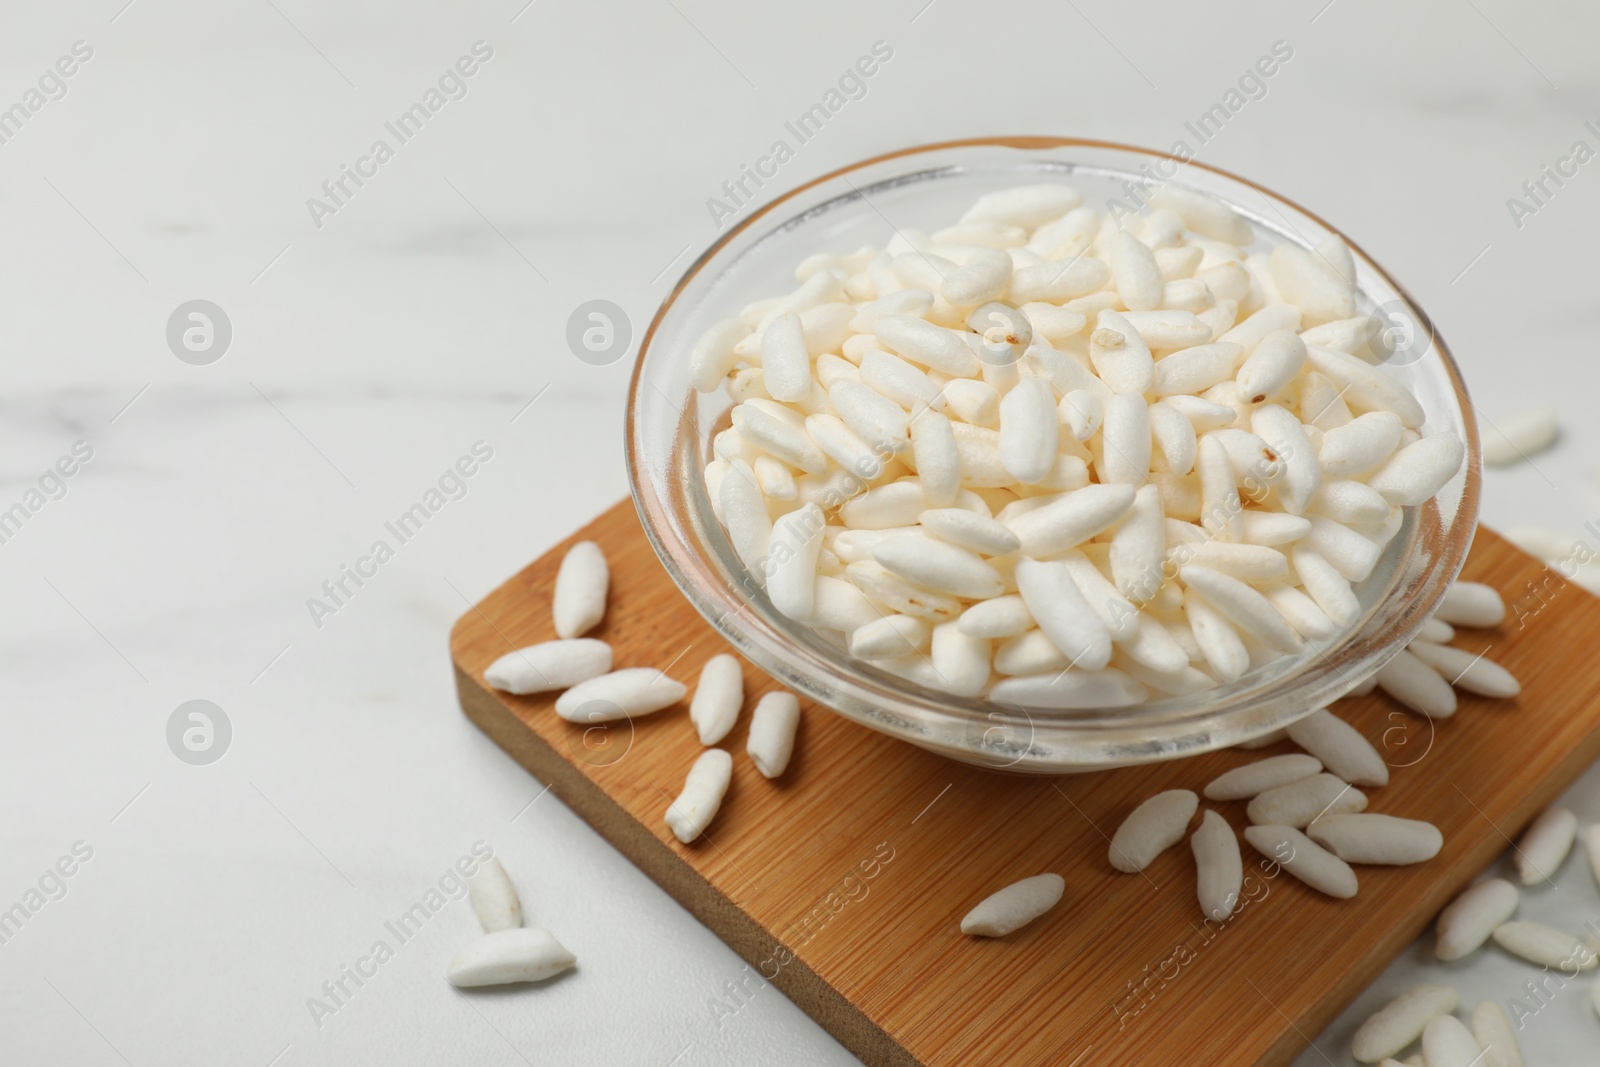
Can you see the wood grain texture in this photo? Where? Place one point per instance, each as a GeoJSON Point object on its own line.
{"type": "Point", "coordinates": [843, 882]}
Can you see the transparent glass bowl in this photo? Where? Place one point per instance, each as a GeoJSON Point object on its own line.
{"type": "Point", "coordinates": [669, 432]}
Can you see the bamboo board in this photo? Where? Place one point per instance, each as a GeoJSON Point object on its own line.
{"type": "Point", "coordinates": [843, 882]}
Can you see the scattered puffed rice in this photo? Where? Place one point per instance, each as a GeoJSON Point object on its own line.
{"type": "Point", "coordinates": [494, 898]}
{"type": "Point", "coordinates": [1544, 846]}
{"type": "Point", "coordinates": [581, 587]}
{"type": "Point", "coordinates": [522, 954]}
{"type": "Point", "coordinates": [772, 729]}
{"type": "Point", "coordinates": [697, 805]}
{"type": "Point", "coordinates": [621, 694]}
{"type": "Point", "coordinates": [1491, 1028]}
{"type": "Point", "coordinates": [1299, 802]}
{"type": "Point", "coordinates": [1401, 1021]}
{"type": "Point", "coordinates": [1417, 685]}
{"type": "Point", "coordinates": [1305, 859]}
{"type": "Point", "coordinates": [1245, 782]}
{"type": "Point", "coordinates": [1515, 439]}
{"type": "Point", "coordinates": [1376, 839]}
{"type": "Point", "coordinates": [1438, 631]}
{"type": "Point", "coordinates": [1218, 865]}
{"type": "Point", "coordinates": [1468, 921]}
{"type": "Point", "coordinates": [717, 698]}
{"type": "Point", "coordinates": [1446, 1042]}
{"type": "Point", "coordinates": [1015, 906]}
{"type": "Point", "coordinates": [1544, 945]}
{"type": "Point", "coordinates": [549, 666]}
{"type": "Point", "coordinates": [1475, 674]}
{"type": "Point", "coordinates": [1471, 604]}
{"type": "Point", "coordinates": [1548, 545]}
{"type": "Point", "coordinates": [1152, 828]}
{"type": "Point", "coordinates": [1341, 748]}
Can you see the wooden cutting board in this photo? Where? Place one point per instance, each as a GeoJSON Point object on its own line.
{"type": "Point", "coordinates": [843, 882]}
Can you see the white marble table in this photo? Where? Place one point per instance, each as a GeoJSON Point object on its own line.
{"type": "Point", "coordinates": [426, 314]}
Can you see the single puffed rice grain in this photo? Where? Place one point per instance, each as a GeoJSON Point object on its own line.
{"type": "Point", "coordinates": [1544, 846]}
{"type": "Point", "coordinates": [970, 530]}
{"type": "Point", "coordinates": [1326, 587]}
{"type": "Point", "coordinates": [1258, 326]}
{"type": "Point", "coordinates": [890, 637]}
{"type": "Point", "coordinates": [923, 342]}
{"type": "Point", "coordinates": [1218, 865]}
{"type": "Point", "coordinates": [1243, 783]}
{"type": "Point", "coordinates": [1218, 639]}
{"type": "Point", "coordinates": [1058, 606]}
{"type": "Point", "coordinates": [523, 954]}
{"type": "Point", "coordinates": [713, 356]}
{"type": "Point", "coordinates": [1361, 445]}
{"type": "Point", "coordinates": [1029, 430]}
{"type": "Point", "coordinates": [1462, 669]}
{"type": "Point", "coordinates": [1341, 748]}
{"type": "Point", "coordinates": [1305, 859]}
{"type": "Point", "coordinates": [1271, 368]}
{"type": "Point", "coordinates": [1299, 802]}
{"type": "Point", "coordinates": [1172, 328]}
{"type": "Point", "coordinates": [1027, 206]}
{"type": "Point", "coordinates": [1401, 1021]}
{"type": "Point", "coordinates": [1134, 267]}
{"type": "Point", "coordinates": [1417, 686]}
{"type": "Point", "coordinates": [1515, 439]}
{"type": "Point", "coordinates": [621, 694]}
{"type": "Point", "coordinates": [1491, 1028]}
{"type": "Point", "coordinates": [962, 662]}
{"type": "Point", "coordinates": [1545, 945]}
{"type": "Point", "coordinates": [785, 364]}
{"type": "Point", "coordinates": [549, 665]}
{"type": "Point", "coordinates": [998, 617]}
{"type": "Point", "coordinates": [1419, 470]}
{"type": "Point", "coordinates": [1014, 907]}
{"type": "Point", "coordinates": [494, 898]}
{"type": "Point", "coordinates": [1071, 518]}
{"type": "Point", "coordinates": [1446, 1042]}
{"type": "Point", "coordinates": [1468, 921]}
{"type": "Point", "coordinates": [793, 548]}
{"type": "Point", "coordinates": [581, 586]}
{"type": "Point", "coordinates": [1438, 631]}
{"type": "Point", "coordinates": [1309, 282]}
{"type": "Point", "coordinates": [1151, 828]}
{"type": "Point", "coordinates": [702, 794]}
{"type": "Point", "coordinates": [1376, 839]}
{"type": "Point", "coordinates": [773, 724]}
{"type": "Point", "coordinates": [717, 698]}
{"type": "Point", "coordinates": [1243, 606]}
{"type": "Point", "coordinates": [1309, 620]}
{"type": "Point", "coordinates": [1472, 604]}
{"type": "Point", "coordinates": [744, 514]}
{"type": "Point", "coordinates": [1203, 214]}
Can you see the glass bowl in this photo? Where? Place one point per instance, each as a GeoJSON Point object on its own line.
{"type": "Point", "coordinates": [669, 430]}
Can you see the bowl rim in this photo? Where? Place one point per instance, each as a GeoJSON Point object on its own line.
{"type": "Point", "coordinates": [1454, 547]}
